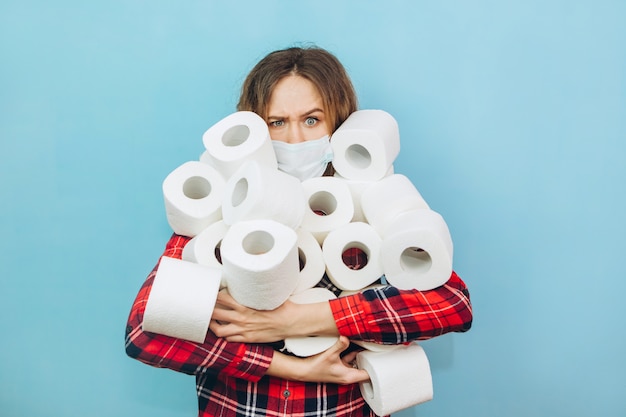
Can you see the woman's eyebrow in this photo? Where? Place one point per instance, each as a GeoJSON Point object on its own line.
{"type": "Point", "coordinates": [315, 110]}
{"type": "Point", "coordinates": [305, 114]}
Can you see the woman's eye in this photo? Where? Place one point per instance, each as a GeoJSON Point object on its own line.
{"type": "Point", "coordinates": [310, 121]}
{"type": "Point", "coordinates": [277, 123]}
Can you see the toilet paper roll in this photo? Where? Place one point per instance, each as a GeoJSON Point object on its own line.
{"type": "Point", "coordinates": [237, 138]}
{"type": "Point", "coordinates": [376, 347]}
{"type": "Point", "coordinates": [204, 248]}
{"type": "Point", "coordinates": [328, 205]}
{"type": "Point", "coordinates": [383, 200]}
{"type": "Point", "coordinates": [258, 192]}
{"type": "Point", "coordinates": [366, 145]}
{"type": "Point", "coordinates": [369, 287]}
{"type": "Point", "coordinates": [353, 235]}
{"type": "Point", "coordinates": [193, 195]}
{"type": "Point", "coordinates": [260, 263]}
{"type": "Point", "coordinates": [310, 345]}
{"type": "Point", "coordinates": [311, 261]}
{"type": "Point", "coordinates": [182, 299]}
{"type": "Point", "coordinates": [417, 251]}
{"type": "Point", "coordinates": [399, 378]}
{"type": "Point", "coordinates": [356, 189]}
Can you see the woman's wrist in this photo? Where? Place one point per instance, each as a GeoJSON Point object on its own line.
{"type": "Point", "coordinates": [286, 367]}
{"type": "Point", "coordinates": [315, 319]}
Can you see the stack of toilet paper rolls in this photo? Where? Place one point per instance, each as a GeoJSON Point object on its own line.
{"type": "Point", "coordinates": [267, 237]}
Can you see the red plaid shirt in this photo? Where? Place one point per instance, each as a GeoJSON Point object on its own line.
{"type": "Point", "coordinates": [230, 377]}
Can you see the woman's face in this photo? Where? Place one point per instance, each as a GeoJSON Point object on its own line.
{"type": "Point", "coordinates": [295, 112]}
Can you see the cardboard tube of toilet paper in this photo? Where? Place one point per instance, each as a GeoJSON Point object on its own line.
{"type": "Point", "coordinates": [193, 195]}
{"type": "Point", "coordinates": [255, 191]}
{"type": "Point", "coordinates": [328, 205]}
{"type": "Point", "coordinates": [182, 299]}
{"type": "Point", "coordinates": [353, 235]}
{"type": "Point", "coordinates": [237, 138]}
{"type": "Point", "coordinates": [417, 251]}
{"type": "Point", "coordinates": [366, 145]}
{"type": "Point", "coordinates": [399, 378]}
{"type": "Point", "coordinates": [383, 200]}
{"type": "Point", "coordinates": [260, 263]}
{"type": "Point", "coordinates": [311, 260]}
{"type": "Point", "coordinates": [310, 345]}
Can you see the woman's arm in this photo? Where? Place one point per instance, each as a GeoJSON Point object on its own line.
{"type": "Point", "coordinates": [383, 315]}
{"type": "Point", "coordinates": [238, 323]}
{"type": "Point", "coordinates": [328, 366]}
{"type": "Point", "coordinates": [247, 361]}
{"type": "Point", "coordinates": [240, 360]}
{"type": "Point", "coordinates": [391, 316]}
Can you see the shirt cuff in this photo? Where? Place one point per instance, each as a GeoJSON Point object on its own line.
{"type": "Point", "coordinates": [349, 315]}
{"type": "Point", "coordinates": [250, 362]}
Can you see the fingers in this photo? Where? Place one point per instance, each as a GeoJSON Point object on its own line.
{"type": "Point", "coordinates": [349, 358]}
{"type": "Point", "coordinates": [342, 344]}
{"type": "Point", "coordinates": [226, 331]}
{"type": "Point", "coordinates": [217, 328]}
{"type": "Point", "coordinates": [226, 307]}
{"type": "Point", "coordinates": [339, 346]}
{"type": "Point", "coordinates": [343, 369]}
{"type": "Point", "coordinates": [360, 375]}
{"type": "Point", "coordinates": [222, 314]}
{"type": "Point", "coordinates": [226, 300]}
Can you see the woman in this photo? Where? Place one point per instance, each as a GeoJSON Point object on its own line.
{"type": "Point", "coordinates": [304, 94]}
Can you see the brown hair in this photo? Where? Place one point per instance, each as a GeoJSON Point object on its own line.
{"type": "Point", "coordinates": [315, 64]}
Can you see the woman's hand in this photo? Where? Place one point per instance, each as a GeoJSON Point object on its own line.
{"type": "Point", "coordinates": [237, 323]}
{"type": "Point", "coordinates": [327, 366]}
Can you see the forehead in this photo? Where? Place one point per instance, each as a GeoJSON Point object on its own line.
{"type": "Point", "coordinates": [294, 94]}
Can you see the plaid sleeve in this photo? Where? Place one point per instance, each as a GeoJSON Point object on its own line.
{"type": "Point", "coordinates": [391, 316]}
{"type": "Point", "coordinates": [215, 355]}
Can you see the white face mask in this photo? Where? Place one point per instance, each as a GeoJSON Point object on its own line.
{"type": "Point", "coordinates": [304, 160]}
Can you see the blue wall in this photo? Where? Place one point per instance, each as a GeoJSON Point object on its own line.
{"type": "Point", "coordinates": [513, 127]}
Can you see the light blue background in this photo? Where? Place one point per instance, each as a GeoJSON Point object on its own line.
{"type": "Point", "coordinates": [513, 126]}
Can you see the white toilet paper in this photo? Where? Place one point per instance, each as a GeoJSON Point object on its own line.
{"type": "Point", "coordinates": [260, 263]}
{"type": "Point", "coordinates": [376, 347]}
{"type": "Point", "coordinates": [204, 248]}
{"type": "Point", "coordinates": [193, 195]}
{"type": "Point", "coordinates": [311, 261]}
{"type": "Point", "coordinates": [182, 299]}
{"type": "Point", "coordinates": [399, 378]}
{"type": "Point", "coordinates": [258, 192]}
{"type": "Point", "coordinates": [331, 198]}
{"type": "Point", "coordinates": [237, 138]}
{"type": "Point", "coordinates": [369, 287]}
{"type": "Point", "coordinates": [366, 145]}
{"type": "Point", "coordinates": [353, 235]}
{"type": "Point", "coordinates": [417, 251]}
{"type": "Point", "coordinates": [383, 200]}
{"type": "Point", "coordinates": [356, 189]}
{"type": "Point", "coordinates": [310, 345]}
